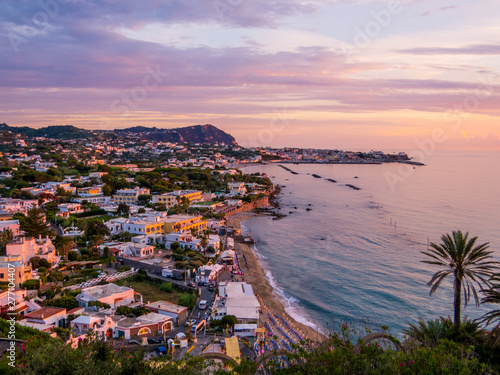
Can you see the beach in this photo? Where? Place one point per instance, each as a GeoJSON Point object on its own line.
{"type": "Point", "coordinates": [255, 276]}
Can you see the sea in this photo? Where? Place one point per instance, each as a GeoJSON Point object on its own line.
{"type": "Point", "coordinates": [348, 256]}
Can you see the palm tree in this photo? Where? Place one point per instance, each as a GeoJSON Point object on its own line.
{"type": "Point", "coordinates": [64, 245]}
{"type": "Point", "coordinates": [467, 263]}
{"type": "Point", "coordinates": [204, 242]}
{"type": "Point", "coordinates": [492, 295]}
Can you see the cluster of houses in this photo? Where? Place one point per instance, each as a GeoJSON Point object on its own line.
{"type": "Point", "coordinates": [162, 316]}
{"type": "Point", "coordinates": [327, 155]}
{"type": "Point", "coordinates": [20, 250]}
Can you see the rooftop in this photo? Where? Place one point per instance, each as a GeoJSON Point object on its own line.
{"type": "Point", "coordinates": [166, 306]}
{"type": "Point", "coordinates": [100, 291]}
{"type": "Point", "coordinates": [45, 312]}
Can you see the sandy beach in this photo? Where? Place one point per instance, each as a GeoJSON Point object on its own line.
{"type": "Point", "coordinates": [255, 276]}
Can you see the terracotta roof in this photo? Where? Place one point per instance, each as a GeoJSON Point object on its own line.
{"type": "Point", "coordinates": [45, 312]}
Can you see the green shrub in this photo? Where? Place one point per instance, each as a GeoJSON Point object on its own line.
{"type": "Point", "coordinates": [31, 284]}
{"type": "Point", "coordinates": [123, 268]}
{"type": "Point", "coordinates": [99, 304]}
{"type": "Point", "coordinates": [166, 287]}
{"type": "Point", "coordinates": [187, 299]}
{"type": "Point", "coordinates": [67, 302]}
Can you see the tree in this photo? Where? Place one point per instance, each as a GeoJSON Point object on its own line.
{"type": "Point", "coordinates": [96, 228]}
{"type": "Point", "coordinates": [37, 262]}
{"type": "Point", "coordinates": [31, 284]}
{"type": "Point", "coordinates": [94, 246]}
{"type": "Point", "coordinates": [34, 224]}
{"type": "Point", "coordinates": [72, 256]}
{"type": "Point", "coordinates": [107, 190]}
{"type": "Point", "coordinates": [67, 302]}
{"type": "Point", "coordinates": [5, 237]}
{"type": "Point", "coordinates": [123, 209]}
{"type": "Point", "coordinates": [204, 242]}
{"type": "Point", "coordinates": [492, 295]}
{"type": "Point", "coordinates": [229, 321]}
{"type": "Point", "coordinates": [64, 245]}
{"type": "Point", "coordinates": [468, 264]}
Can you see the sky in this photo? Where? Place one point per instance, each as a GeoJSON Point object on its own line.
{"type": "Point", "coordinates": [349, 74]}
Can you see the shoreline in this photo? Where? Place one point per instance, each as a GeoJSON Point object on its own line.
{"type": "Point", "coordinates": [256, 277]}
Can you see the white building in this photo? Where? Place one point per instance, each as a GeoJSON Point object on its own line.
{"type": "Point", "coordinates": [29, 247]}
{"type": "Point", "coordinates": [236, 188]}
{"type": "Point", "coordinates": [13, 225]}
{"type": "Point", "coordinates": [238, 299]}
{"type": "Point", "coordinates": [185, 240]}
{"type": "Point", "coordinates": [206, 274]}
{"type": "Point", "coordinates": [111, 294]}
{"type": "Point", "coordinates": [129, 196]}
{"type": "Point", "coordinates": [49, 316]}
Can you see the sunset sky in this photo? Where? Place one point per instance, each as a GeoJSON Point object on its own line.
{"type": "Point", "coordinates": [309, 73]}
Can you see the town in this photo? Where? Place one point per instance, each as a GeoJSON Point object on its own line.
{"type": "Point", "coordinates": [130, 241]}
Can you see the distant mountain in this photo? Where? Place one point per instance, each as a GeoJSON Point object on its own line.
{"type": "Point", "coordinates": [207, 134]}
{"type": "Point", "coordinates": [55, 131]}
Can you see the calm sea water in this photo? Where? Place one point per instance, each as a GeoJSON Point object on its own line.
{"type": "Point", "coordinates": [355, 256]}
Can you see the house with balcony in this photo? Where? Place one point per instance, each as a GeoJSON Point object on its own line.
{"type": "Point", "coordinates": [29, 247]}
{"type": "Point", "coordinates": [129, 196]}
{"type": "Point", "coordinates": [173, 198]}
{"type": "Point", "coordinates": [22, 269]}
{"type": "Point", "coordinates": [67, 209]}
{"type": "Point", "coordinates": [184, 223]}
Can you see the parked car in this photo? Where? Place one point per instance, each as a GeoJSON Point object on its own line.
{"type": "Point", "coordinates": [191, 322]}
{"type": "Point", "coordinates": [133, 342]}
{"type": "Point", "coordinates": [153, 341]}
{"type": "Point", "coordinates": [161, 350]}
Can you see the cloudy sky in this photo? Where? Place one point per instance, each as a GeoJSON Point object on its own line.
{"type": "Point", "coordinates": [336, 73]}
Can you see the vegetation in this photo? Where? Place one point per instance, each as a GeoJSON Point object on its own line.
{"type": "Point", "coordinates": [6, 235]}
{"type": "Point", "coordinates": [150, 290]}
{"type": "Point", "coordinates": [188, 300]}
{"type": "Point", "coordinates": [468, 264]}
{"type": "Point", "coordinates": [34, 224]}
{"type": "Point", "coordinates": [99, 304]}
{"type": "Point", "coordinates": [31, 284]}
{"type": "Point", "coordinates": [37, 262]}
{"type": "Point", "coordinates": [64, 245]}
{"type": "Point", "coordinates": [67, 302]}
{"type": "Point", "coordinates": [137, 311]}
{"type": "Point", "coordinates": [492, 295]}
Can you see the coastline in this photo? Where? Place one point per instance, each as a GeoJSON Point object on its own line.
{"type": "Point", "coordinates": [256, 277]}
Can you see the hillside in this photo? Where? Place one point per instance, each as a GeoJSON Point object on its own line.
{"type": "Point", "coordinates": [205, 134]}
{"type": "Point", "coordinates": [55, 131]}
